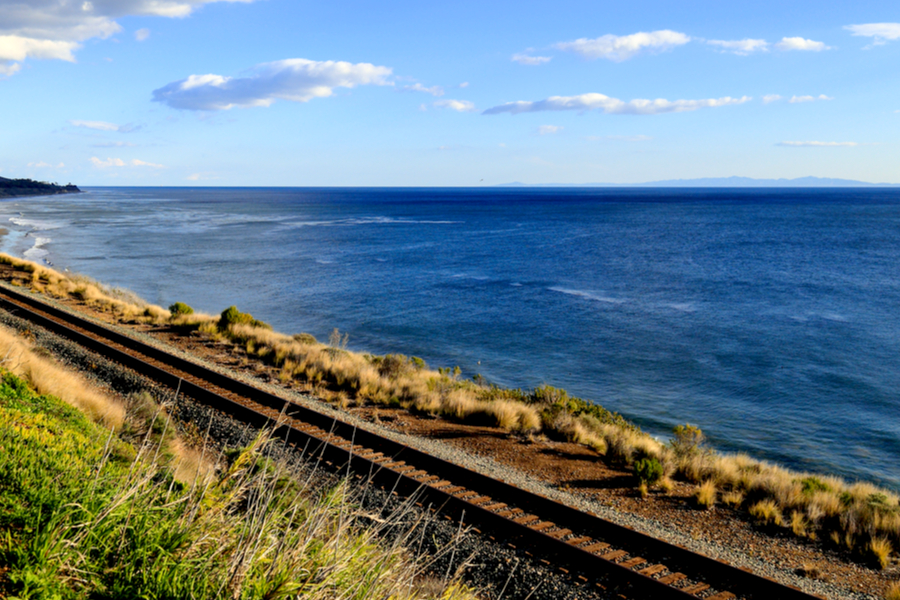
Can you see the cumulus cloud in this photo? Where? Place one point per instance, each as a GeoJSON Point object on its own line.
{"type": "Point", "coordinates": [294, 79]}
{"type": "Point", "coordinates": [769, 98]}
{"type": "Point", "coordinates": [434, 90]}
{"type": "Point", "coordinates": [548, 129]}
{"type": "Point", "coordinates": [613, 106]}
{"type": "Point", "coordinates": [55, 29]}
{"type": "Point", "coordinates": [457, 105]}
{"type": "Point", "coordinates": [532, 61]}
{"type": "Point", "coordinates": [741, 47]}
{"type": "Point", "coordinates": [880, 33]}
{"type": "Point", "coordinates": [622, 47]}
{"type": "Point", "coordinates": [818, 144]}
{"type": "Point", "coordinates": [799, 43]}
{"type": "Point", "coordinates": [118, 162]}
{"type": "Point", "coordinates": [800, 99]}
{"type": "Point", "coordinates": [142, 34]}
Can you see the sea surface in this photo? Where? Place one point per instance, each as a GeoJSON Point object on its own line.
{"type": "Point", "coordinates": [768, 317]}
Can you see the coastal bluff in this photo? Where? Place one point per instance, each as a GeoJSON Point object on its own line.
{"type": "Point", "coordinates": [14, 188]}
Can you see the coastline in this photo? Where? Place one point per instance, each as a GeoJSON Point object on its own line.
{"type": "Point", "coordinates": [559, 464]}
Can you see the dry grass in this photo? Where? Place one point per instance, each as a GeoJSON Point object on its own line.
{"type": "Point", "coordinates": [706, 493]}
{"type": "Point", "coordinates": [47, 377]}
{"type": "Point", "coordinates": [767, 513]}
{"type": "Point", "coordinates": [879, 549]}
{"type": "Point", "coordinates": [893, 591]}
{"type": "Point", "coordinates": [819, 506]}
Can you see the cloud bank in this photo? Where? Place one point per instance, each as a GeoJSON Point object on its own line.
{"type": "Point", "coordinates": [294, 79]}
{"type": "Point", "coordinates": [613, 106]}
{"type": "Point", "coordinates": [880, 32]}
{"type": "Point", "coordinates": [618, 48]}
{"type": "Point", "coordinates": [54, 29]}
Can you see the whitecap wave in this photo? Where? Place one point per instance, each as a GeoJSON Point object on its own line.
{"type": "Point", "coordinates": [34, 224]}
{"type": "Point", "coordinates": [37, 251]}
{"type": "Point", "coordinates": [587, 295]}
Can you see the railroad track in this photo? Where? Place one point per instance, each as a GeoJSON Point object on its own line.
{"type": "Point", "coordinates": [586, 546]}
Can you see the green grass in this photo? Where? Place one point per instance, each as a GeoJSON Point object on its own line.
{"type": "Point", "coordinates": [84, 515]}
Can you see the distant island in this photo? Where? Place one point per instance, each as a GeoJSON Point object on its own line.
{"type": "Point", "coordinates": [722, 182]}
{"type": "Point", "coordinates": [14, 188]}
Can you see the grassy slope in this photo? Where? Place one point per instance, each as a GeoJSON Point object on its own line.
{"type": "Point", "coordinates": [85, 515]}
{"type": "Point", "coordinates": [859, 517]}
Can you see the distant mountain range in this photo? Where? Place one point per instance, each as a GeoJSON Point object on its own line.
{"type": "Point", "coordinates": [722, 182]}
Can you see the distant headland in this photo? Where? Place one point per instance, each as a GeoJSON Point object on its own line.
{"type": "Point", "coordinates": [14, 188]}
{"type": "Point", "coordinates": [723, 182]}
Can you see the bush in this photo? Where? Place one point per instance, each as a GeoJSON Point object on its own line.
{"type": "Point", "coordinates": [648, 471]}
{"type": "Point", "coordinates": [688, 440]}
{"type": "Point", "coordinates": [812, 485]}
{"type": "Point", "coordinates": [232, 316]}
{"type": "Point", "coordinates": [180, 308]}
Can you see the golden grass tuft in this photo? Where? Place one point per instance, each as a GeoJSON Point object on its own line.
{"type": "Point", "coordinates": [706, 493]}
{"type": "Point", "coordinates": [893, 591]}
{"type": "Point", "coordinates": [879, 550]}
{"type": "Point", "coordinates": [767, 512]}
{"type": "Point", "coordinates": [733, 499]}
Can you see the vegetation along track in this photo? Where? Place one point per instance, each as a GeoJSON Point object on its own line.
{"type": "Point", "coordinates": [576, 542]}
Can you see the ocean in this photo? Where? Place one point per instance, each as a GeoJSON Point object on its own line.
{"type": "Point", "coordinates": [767, 317]}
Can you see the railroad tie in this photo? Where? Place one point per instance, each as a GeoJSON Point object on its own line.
{"type": "Point", "coordinates": [672, 578]}
{"type": "Point", "coordinates": [452, 490]}
{"type": "Point", "coordinates": [633, 562]}
{"type": "Point", "coordinates": [696, 588]}
{"type": "Point", "coordinates": [440, 484]}
{"type": "Point", "coordinates": [580, 540]}
{"type": "Point", "coordinates": [526, 519]}
{"type": "Point", "coordinates": [398, 463]}
{"type": "Point", "coordinates": [721, 596]}
{"type": "Point", "coordinates": [595, 547]}
{"type": "Point", "coordinates": [418, 473]}
{"type": "Point", "coordinates": [611, 556]}
{"type": "Point", "coordinates": [495, 506]}
{"type": "Point", "coordinates": [467, 495]}
{"type": "Point", "coordinates": [429, 479]}
{"type": "Point", "coordinates": [542, 526]}
{"type": "Point", "coordinates": [511, 512]}
{"type": "Point", "coordinates": [652, 570]}
{"type": "Point", "coordinates": [560, 533]}
{"type": "Point", "coordinates": [481, 500]}
{"type": "Point", "coordinates": [406, 469]}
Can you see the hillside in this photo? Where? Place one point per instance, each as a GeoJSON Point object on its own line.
{"type": "Point", "coordinates": [11, 188]}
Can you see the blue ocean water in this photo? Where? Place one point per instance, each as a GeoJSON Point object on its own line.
{"type": "Point", "coordinates": [767, 317]}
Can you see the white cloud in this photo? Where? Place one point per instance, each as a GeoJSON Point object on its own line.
{"type": "Point", "coordinates": [434, 90]}
{"type": "Point", "coordinates": [609, 105]}
{"type": "Point", "coordinates": [98, 125]}
{"type": "Point", "coordinates": [799, 43]}
{"type": "Point", "coordinates": [800, 99]}
{"type": "Point", "coordinates": [769, 98]}
{"type": "Point", "coordinates": [142, 34]}
{"type": "Point", "coordinates": [54, 29]}
{"type": "Point", "coordinates": [741, 47]}
{"type": "Point", "coordinates": [109, 162]}
{"type": "Point", "coordinates": [548, 129]}
{"type": "Point", "coordinates": [140, 163]}
{"type": "Point", "coordinates": [818, 144]}
{"type": "Point", "coordinates": [115, 145]}
{"type": "Point", "coordinates": [457, 105]}
{"type": "Point", "coordinates": [45, 165]}
{"type": "Point", "coordinates": [118, 162]}
{"type": "Point", "coordinates": [618, 48]}
{"type": "Point", "coordinates": [880, 32]}
{"type": "Point", "coordinates": [464, 84]}
{"type": "Point", "coordinates": [533, 61]}
{"type": "Point", "coordinates": [294, 79]}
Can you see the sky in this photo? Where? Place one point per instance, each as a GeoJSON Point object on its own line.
{"type": "Point", "coordinates": [412, 93]}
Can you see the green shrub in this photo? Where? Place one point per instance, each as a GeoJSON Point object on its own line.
{"type": "Point", "coordinates": [305, 338]}
{"type": "Point", "coordinates": [648, 471]}
{"type": "Point", "coordinates": [688, 440]}
{"type": "Point", "coordinates": [812, 485]}
{"type": "Point", "coordinates": [232, 316]}
{"type": "Point", "coordinates": [180, 308]}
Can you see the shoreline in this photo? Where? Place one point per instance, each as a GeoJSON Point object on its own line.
{"type": "Point", "coordinates": [622, 498]}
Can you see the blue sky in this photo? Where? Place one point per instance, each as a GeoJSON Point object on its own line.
{"type": "Point", "coordinates": [281, 92]}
